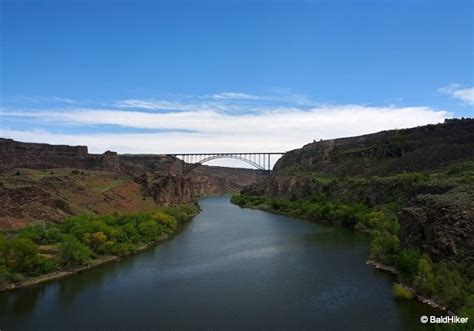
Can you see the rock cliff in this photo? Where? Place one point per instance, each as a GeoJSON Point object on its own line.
{"type": "Point", "coordinates": [386, 153]}
{"type": "Point", "coordinates": [427, 171]}
{"type": "Point", "coordinates": [441, 225]}
{"type": "Point", "coordinates": [14, 154]}
{"type": "Point", "coordinates": [48, 182]}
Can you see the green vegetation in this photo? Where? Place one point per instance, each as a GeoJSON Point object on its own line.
{"type": "Point", "coordinates": [19, 257]}
{"type": "Point", "coordinates": [444, 282]}
{"type": "Point", "coordinates": [357, 215]}
{"type": "Point", "coordinates": [109, 185]}
{"type": "Point", "coordinates": [73, 252]}
{"type": "Point", "coordinates": [81, 239]}
{"type": "Point", "coordinates": [401, 292]}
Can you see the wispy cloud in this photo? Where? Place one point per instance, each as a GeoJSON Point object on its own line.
{"type": "Point", "coordinates": [237, 96]}
{"type": "Point", "coordinates": [232, 122]}
{"type": "Point", "coordinates": [153, 104]}
{"type": "Point", "coordinates": [23, 99]}
{"type": "Point", "coordinates": [288, 128]}
{"type": "Point", "coordinates": [178, 106]}
{"type": "Point", "coordinates": [457, 91]}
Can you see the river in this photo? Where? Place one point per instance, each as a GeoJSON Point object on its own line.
{"type": "Point", "coordinates": [229, 268]}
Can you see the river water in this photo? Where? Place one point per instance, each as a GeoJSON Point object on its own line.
{"type": "Point", "coordinates": [229, 268]}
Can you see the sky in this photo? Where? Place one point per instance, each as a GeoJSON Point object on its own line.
{"type": "Point", "coordinates": [229, 76]}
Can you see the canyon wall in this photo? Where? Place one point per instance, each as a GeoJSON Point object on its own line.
{"type": "Point", "coordinates": [387, 152]}
{"type": "Point", "coordinates": [48, 182]}
{"type": "Point", "coordinates": [427, 171]}
{"type": "Point", "coordinates": [14, 154]}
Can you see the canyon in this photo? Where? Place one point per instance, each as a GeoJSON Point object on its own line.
{"type": "Point", "coordinates": [411, 189]}
{"type": "Point", "coordinates": [428, 171]}
{"type": "Point", "coordinates": [42, 182]}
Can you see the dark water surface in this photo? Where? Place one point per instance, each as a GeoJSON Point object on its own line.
{"type": "Point", "coordinates": [229, 268]}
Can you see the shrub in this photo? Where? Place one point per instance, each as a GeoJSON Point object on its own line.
{"type": "Point", "coordinates": [73, 252]}
{"type": "Point", "coordinates": [21, 255]}
{"type": "Point", "coordinates": [149, 230]}
{"type": "Point", "coordinates": [43, 266]}
{"type": "Point", "coordinates": [15, 277]}
{"type": "Point", "coordinates": [131, 232]}
{"type": "Point", "coordinates": [448, 285]}
{"type": "Point", "coordinates": [424, 279]}
{"type": "Point", "coordinates": [401, 292]}
{"type": "Point", "coordinates": [384, 247]}
{"type": "Point", "coordinates": [41, 234]}
{"type": "Point", "coordinates": [407, 262]}
{"type": "Point", "coordinates": [4, 276]}
{"type": "Point", "coordinates": [123, 248]}
{"type": "Point", "coordinates": [82, 237]}
{"type": "Point", "coordinates": [165, 219]}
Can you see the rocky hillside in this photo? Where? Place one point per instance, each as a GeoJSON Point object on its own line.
{"type": "Point", "coordinates": [427, 172]}
{"type": "Point", "coordinates": [48, 182]}
{"type": "Point", "coordinates": [155, 172]}
{"type": "Point", "coordinates": [27, 195]}
{"type": "Point", "coordinates": [385, 153]}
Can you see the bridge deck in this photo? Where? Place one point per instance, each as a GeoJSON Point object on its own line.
{"type": "Point", "coordinates": [247, 153]}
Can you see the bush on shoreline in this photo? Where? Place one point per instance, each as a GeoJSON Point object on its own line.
{"type": "Point", "coordinates": [401, 292]}
{"type": "Point", "coordinates": [80, 239]}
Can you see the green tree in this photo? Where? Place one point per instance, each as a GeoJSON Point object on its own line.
{"type": "Point", "coordinates": [131, 232]}
{"type": "Point", "coordinates": [21, 255]}
{"type": "Point", "coordinates": [449, 285]}
{"type": "Point", "coordinates": [165, 219]}
{"type": "Point", "coordinates": [123, 248]}
{"type": "Point", "coordinates": [99, 242]}
{"type": "Point", "coordinates": [73, 252]}
{"type": "Point", "coordinates": [424, 279]}
{"type": "Point", "coordinates": [407, 262]}
{"type": "Point", "coordinates": [384, 247]}
{"type": "Point", "coordinates": [149, 230]}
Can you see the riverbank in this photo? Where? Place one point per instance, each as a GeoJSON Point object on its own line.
{"type": "Point", "coordinates": [220, 275]}
{"type": "Point", "coordinates": [93, 264]}
{"type": "Point", "coordinates": [429, 301]}
{"type": "Point", "coordinates": [349, 218]}
{"type": "Point", "coordinates": [103, 259]}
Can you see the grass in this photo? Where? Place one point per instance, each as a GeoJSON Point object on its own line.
{"type": "Point", "coordinates": [109, 185]}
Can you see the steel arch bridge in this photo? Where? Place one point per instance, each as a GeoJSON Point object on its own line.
{"type": "Point", "coordinates": [259, 160]}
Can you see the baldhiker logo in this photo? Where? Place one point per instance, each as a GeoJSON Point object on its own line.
{"type": "Point", "coordinates": [443, 319]}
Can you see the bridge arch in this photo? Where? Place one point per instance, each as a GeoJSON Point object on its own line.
{"type": "Point", "coordinates": [259, 160]}
{"type": "Point", "coordinates": [236, 157]}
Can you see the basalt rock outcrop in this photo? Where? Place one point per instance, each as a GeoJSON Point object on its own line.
{"type": "Point", "coordinates": [442, 225]}
{"type": "Point", "coordinates": [48, 182]}
{"type": "Point", "coordinates": [14, 154]}
{"type": "Point", "coordinates": [427, 171]}
{"type": "Point", "coordinates": [386, 153]}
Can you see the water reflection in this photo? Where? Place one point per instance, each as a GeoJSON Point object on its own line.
{"type": "Point", "coordinates": [21, 301]}
{"type": "Point", "coordinates": [231, 268]}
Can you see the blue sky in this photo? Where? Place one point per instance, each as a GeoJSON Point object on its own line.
{"type": "Point", "coordinates": [246, 74]}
